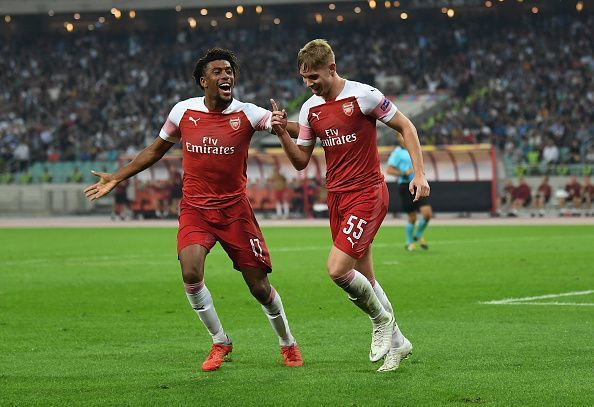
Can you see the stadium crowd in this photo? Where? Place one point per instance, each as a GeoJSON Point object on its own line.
{"type": "Point", "coordinates": [525, 85]}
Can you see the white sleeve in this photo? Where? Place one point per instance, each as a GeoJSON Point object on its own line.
{"type": "Point", "coordinates": [170, 130]}
{"type": "Point", "coordinates": [259, 118]}
{"type": "Point", "coordinates": [373, 103]}
{"type": "Point", "coordinates": [306, 137]}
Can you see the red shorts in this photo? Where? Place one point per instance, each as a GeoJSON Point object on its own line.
{"type": "Point", "coordinates": [355, 218]}
{"type": "Point", "coordinates": [234, 226]}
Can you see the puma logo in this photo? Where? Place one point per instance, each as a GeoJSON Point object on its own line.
{"type": "Point", "coordinates": [194, 120]}
{"type": "Point", "coordinates": [351, 241]}
{"type": "Point", "coordinates": [316, 115]}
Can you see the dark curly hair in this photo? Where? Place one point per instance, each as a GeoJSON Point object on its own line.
{"type": "Point", "coordinates": [214, 54]}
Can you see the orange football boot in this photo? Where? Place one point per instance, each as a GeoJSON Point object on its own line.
{"type": "Point", "coordinates": [216, 356]}
{"type": "Point", "coordinates": [292, 355]}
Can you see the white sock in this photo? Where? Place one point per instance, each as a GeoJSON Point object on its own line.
{"type": "Point", "coordinates": [381, 296]}
{"type": "Point", "coordinates": [397, 337]}
{"type": "Point", "coordinates": [278, 320]}
{"type": "Point", "coordinates": [201, 301]}
{"type": "Point", "coordinates": [361, 293]}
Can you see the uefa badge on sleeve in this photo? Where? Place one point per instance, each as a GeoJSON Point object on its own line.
{"type": "Point", "coordinates": [235, 123]}
{"type": "Point", "coordinates": [348, 108]}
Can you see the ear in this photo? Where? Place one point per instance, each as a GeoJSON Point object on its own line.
{"type": "Point", "coordinates": [203, 82]}
{"type": "Point", "coordinates": [332, 68]}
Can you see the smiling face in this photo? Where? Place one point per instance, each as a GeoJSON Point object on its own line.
{"type": "Point", "coordinates": [321, 80]}
{"type": "Point", "coordinates": [218, 81]}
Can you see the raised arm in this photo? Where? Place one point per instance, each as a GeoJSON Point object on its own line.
{"type": "Point", "coordinates": [404, 126]}
{"type": "Point", "coordinates": [142, 161]}
{"type": "Point", "coordinates": [298, 155]}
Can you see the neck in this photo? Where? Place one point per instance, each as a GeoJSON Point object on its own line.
{"type": "Point", "coordinates": [336, 88]}
{"type": "Point", "coordinates": [214, 104]}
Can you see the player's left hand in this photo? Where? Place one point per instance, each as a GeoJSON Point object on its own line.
{"type": "Point", "coordinates": [419, 187]}
{"type": "Point", "coordinates": [279, 118]}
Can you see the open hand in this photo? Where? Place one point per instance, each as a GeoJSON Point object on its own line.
{"type": "Point", "coordinates": [105, 184]}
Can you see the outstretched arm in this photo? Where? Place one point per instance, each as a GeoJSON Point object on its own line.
{"type": "Point", "coordinates": [298, 155]}
{"type": "Point", "coordinates": [142, 161]}
{"type": "Point", "coordinates": [404, 126]}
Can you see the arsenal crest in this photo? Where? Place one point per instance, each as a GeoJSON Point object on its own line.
{"type": "Point", "coordinates": [235, 123]}
{"type": "Point", "coordinates": [348, 108]}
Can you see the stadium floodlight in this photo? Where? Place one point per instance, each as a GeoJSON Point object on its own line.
{"type": "Point", "coordinates": [579, 6]}
{"type": "Point", "coordinates": [203, 12]}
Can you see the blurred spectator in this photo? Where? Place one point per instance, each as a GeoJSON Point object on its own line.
{"type": "Point", "coordinates": [542, 197]}
{"type": "Point", "coordinates": [587, 196]}
{"type": "Point", "coordinates": [320, 206]}
{"type": "Point", "coordinates": [25, 178]}
{"type": "Point", "coordinates": [550, 154]}
{"type": "Point", "coordinates": [175, 195]}
{"type": "Point", "coordinates": [574, 195]}
{"type": "Point", "coordinates": [75, 176]}
{"type": "Point", "coordinates": [521, 197]}
{"type": "Point", "coordinates": [22, 155]}
{"type": "Point", "coordinates": [280, 193]}
{"type": "Point", "coordinates": [506, 198]}
{"type": "Point", "coordinates": [46, 176]}
{"type": "Point", "coordinates": [6, 178]}
{"type": "Point", "coordinates": [121, 203]}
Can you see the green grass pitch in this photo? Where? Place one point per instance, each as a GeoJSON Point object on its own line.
{"type": "Point", "coordinates": [99, 317]}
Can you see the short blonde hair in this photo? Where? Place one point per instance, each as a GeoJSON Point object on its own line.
{"type": "Point", "coordinates": [315, 54]}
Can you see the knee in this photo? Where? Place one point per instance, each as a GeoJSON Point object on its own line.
{"type": "Point", "coordinates": [335, 272]}
{"type": "Point", "coordinates": [191, 272]}
{"type": "Point", "coordinates": [261, 292]}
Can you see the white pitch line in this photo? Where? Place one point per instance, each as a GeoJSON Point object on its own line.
{"type": "Point", "coordinates": [578, 304]}
{"type": "Point", "coordinates": [527, 300]}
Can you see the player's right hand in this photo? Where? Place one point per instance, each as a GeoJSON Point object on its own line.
{"type": "Point", "coordinates": [279, 119]}
{"type": "Point", "coordinates": [105, 184]}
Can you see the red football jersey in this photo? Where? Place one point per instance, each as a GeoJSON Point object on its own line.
{"type": "Point", "coordinates": [214, 149]}
{"type": "Point", "coordinates": [346, 127]}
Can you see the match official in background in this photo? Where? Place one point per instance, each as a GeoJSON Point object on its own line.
{"type": "Point", "coordinates": [400, 165]}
